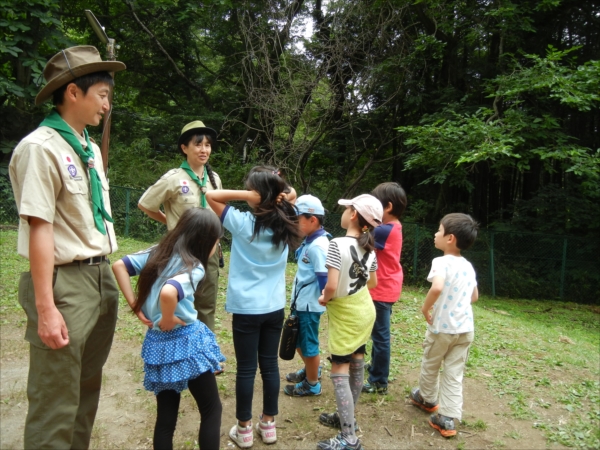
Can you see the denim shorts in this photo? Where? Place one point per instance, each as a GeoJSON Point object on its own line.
{"type": "Point", "coordinates": [343, 359]}
{"type": "Point", "coordinates": [308, 335]}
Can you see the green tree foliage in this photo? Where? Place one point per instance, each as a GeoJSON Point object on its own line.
{"type": "Point", "coordinates": [520, 131]}
{"type": "Point", "coordinates": [496, 101]}
{"type": "Point", "coordinates": [29, 30]}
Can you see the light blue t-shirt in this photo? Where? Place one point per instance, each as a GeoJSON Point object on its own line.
{"type": "Point", "coordinates": [175, 275]}
{"type": "Point", "coordinates": [311, 256]}
{"type": "Point", "coordinates": [256, 268]}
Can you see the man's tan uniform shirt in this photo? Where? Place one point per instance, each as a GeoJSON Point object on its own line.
{"type": "Point", "coordinates": [177, 192]}
{"type": "Point", "coordinates": [50, 182]}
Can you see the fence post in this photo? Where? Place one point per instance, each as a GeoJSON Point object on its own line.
{"type": "Point", "coordinates": [563, 269]}
{"type": "Point", "coordinates": [492, 271]}
{"type": "Point", "coordinates": [416, 252]}
{"type": "Point", "coordinates": [126, 212]}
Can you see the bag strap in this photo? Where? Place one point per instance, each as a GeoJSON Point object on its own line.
{"type": "Point", "coordinates": [296, 293]}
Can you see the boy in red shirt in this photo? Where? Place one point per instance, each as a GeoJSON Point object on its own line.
{"type": "Point", "coordinates": [388, 246]}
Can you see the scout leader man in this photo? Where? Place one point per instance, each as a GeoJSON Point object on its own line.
{"type": "Point", "coordinates": [65, 230]}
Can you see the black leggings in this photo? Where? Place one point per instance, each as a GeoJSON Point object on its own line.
{"type": "Point", "coordinates": [205, 392]}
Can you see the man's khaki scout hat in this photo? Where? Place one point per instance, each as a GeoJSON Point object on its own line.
{"type": "Point", "coordinates": [194, 128]}
{"type": "Point", "coordinates": [71, 63]}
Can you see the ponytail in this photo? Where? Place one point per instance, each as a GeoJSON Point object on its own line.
{"type": "Point", "coordinates": [365, 240]}
{"type": "Point", "coordinates": [280, 217]}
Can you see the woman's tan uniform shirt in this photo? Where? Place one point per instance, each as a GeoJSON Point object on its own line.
{"type": "Point", "coordinates": [177, 192]}
{"type": "Point", "coordinates": [50, 182]}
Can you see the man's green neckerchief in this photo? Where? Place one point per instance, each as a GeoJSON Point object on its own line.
{"type": "Point", "coordinates": [202, 183]}
{"type": "Point", "coordinates": [57, 123]}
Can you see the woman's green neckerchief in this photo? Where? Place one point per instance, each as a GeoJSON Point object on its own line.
{"type": "Point", "coordinates": [202, 183]}
{"type": "Point", "coordinates": [57, 123]}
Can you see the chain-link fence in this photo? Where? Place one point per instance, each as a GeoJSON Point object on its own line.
{"type": "Point", "coordinates": [508, 264]}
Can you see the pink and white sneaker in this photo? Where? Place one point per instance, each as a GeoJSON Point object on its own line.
{"type": "Point", "coordinates": [267, 431]}
{"type": "Point", "coordinates": [242, 436]}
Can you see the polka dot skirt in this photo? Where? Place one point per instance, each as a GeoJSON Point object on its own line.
{"type": "Point", "coordinates": [171, 358]}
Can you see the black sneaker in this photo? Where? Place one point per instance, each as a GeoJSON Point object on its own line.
{"type": "Point", "coordinates": [374, 388]}
{"type": "Point", "coordinates": [299, 375]}
{"type": "Point", "coordinates": [445, 425]}
{"type": "Point", "coordinates": [417, 400]}
{"type": "Point", "coordinates": [340, 442]}
{"type": "Point", "coordinates": [303, 389]}
{"type": "Point", "coordinates": [333, 420]}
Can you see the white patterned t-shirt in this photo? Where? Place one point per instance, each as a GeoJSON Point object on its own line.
{"type": "Point", "coordinates": [452, 312]}
{"type": "Point", "coordinates": [355, 265]}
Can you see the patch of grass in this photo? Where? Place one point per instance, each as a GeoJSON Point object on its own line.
{"type": "Point", "coordinates": [478, 425]}
{"type": "Point", "coordinates": [11, 267]}
{"type": "Point", "coordinates": [513, 435]}
{"type": "Point", "coordinates": [225, 336]}
{"type": "Point", "coordinates": [542, 382]}
{"type": "Point", "coordinates": [16, 394]}
{"type": "Point", "coordinates": [582, 428]}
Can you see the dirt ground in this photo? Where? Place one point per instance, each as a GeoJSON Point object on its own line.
{"type": "Point", "coordinates": [127, 412]}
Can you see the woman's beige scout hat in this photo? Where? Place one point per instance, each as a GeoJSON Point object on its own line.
{"type": "Point", "coordinates": [71, 63]}
{"type": "Point", "coordinates": [193, 128]}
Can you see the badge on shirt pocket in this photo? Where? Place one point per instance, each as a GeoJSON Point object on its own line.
{"type": "Point", "coordinates": [71, 167]}
{"type": "Point", "coordinates": [185, 186]}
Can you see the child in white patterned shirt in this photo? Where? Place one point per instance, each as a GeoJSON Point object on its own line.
{"type": "Point", "coordinates": [447, 310]}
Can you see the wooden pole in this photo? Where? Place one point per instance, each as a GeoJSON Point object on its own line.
{"type": "Point", "coordinates": [110, 56]}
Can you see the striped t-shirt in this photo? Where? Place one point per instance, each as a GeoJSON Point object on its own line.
{"type": "Point", "coordinates": [354, 264]}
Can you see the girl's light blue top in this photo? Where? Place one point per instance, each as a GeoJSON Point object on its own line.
{"type": "Point", "coordinates": [256, 269]}
{"type": "Point", "coordinates": [173, 274]}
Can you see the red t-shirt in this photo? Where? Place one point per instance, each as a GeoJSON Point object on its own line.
{"type": "Point", "coordinates": [388, 246]}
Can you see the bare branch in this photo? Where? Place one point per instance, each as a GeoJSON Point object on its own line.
{"type": "Point", "coordinates": [189, 82]}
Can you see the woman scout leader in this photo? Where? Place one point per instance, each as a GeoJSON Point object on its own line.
{"type": "Point", "coordinates": [183, 188]}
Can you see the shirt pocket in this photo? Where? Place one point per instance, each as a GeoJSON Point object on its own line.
{"type": "Point", "coordinates": [188, 199]}
{"type": "Point", "coordinates": [76, 187]}
{"type": "Point", "coordinates": [75, 205]}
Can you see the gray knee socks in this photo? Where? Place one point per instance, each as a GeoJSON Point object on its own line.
{"type": "Point", "coordinates": [357, 378]}
{"type": "Point", "coordinates": [345, 403]}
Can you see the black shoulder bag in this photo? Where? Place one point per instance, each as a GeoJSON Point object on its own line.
{"type": "Point", "coordinates": [289, 335]}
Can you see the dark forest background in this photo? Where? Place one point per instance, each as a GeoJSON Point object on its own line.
{"type": "Point", "coordinates": [485, 107]}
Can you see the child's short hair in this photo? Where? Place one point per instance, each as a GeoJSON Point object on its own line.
{"type": "Point", "coordinates": [391, 192]}
{"type": "Point", "coordinates": [463, 227]}
{"type": "Point", "coordinates": [319, 217]}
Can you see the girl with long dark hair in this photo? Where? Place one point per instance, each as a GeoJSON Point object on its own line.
{"type": "Point", "coordinates": [256, 290]}
{"type": "Point", "coordinates": [179, 351]}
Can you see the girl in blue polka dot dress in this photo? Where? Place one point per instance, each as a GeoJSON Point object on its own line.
{"type": "Point", "coordinates": [447, 310]}
{"type": "Point", "coordinates": [179, 351]}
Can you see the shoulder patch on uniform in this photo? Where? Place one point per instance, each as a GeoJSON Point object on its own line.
{"type": "Point", "coordinates": [41, 135]}
{"type": "Point", "coordinates": [170, 173]}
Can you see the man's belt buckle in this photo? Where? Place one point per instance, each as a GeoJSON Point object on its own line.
{"type": "Point", "coordinates": [96, 260]}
